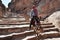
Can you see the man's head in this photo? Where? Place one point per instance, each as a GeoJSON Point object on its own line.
{"type": "Point", "coordinates": [34, 7]}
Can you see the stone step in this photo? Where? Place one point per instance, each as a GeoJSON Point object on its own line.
{"type": "Point", "coordinates": [44, 29]}
{"type": "Point", "coordinates": [6, 22]}
{"type": "Point", "coordinates": [47, 26]}
{"type": "Point", "coordinates": [46, 35]}
{"type": "Point", "coordinates": [6, 38]}
{"type": "Point", "coordinates": [14, 36]}
{"type": "Point", "coordinates": [58, 38]}
{"type": "Point", "coordinates": [51, 29]}
{"type": "Point", "coordinates": [13, 30]}
{"type": "Point", "coordinates": [8, 30]}
{"type": "Point", "coordinates": [29, 33]}
{"type": "Point", "coordinates": [13, 23]}
{"type": "Point", "coordinates": [28, 37]}
{"type": "Point", "coordinates": [22, 36]}
{"type": "Point", "coordinates": [12, 17]}
{"type": "Point", "coordinates": [19, 23]}
{"type": "Point", "coordinates": [25, 25]}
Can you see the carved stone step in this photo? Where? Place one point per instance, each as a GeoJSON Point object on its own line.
{"type": "Point", "coordinates": [22, 36]}
{"type": "Point", "coordinates": [18, 29]}
{"type": "Point", "coordinates": [45, 36]}
{"type": "Point", "coordinates": [14, 36]}
{"type": "Point", "coordinates": [47, 26]}
{"type": "Point", "coordinates": [13, 30]}
{"type": "Point", "coordinates": [19, 23]}
{"type": "Point", "coordinates": [6, 38]}
{"type": "Point", "coordinates": [51, 29]}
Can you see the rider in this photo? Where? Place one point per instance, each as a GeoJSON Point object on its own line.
{"type": "Point", "coordinates": [34, 15]}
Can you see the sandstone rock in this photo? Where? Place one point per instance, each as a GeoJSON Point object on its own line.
{"type": "Point", "coordinates": [49, 7]}
{"type": "Point", "coordinates": [21, 6]}
{"type": "Point", "coordinates": [2, 9]}
{"type": "Point", "coordinates": [55, 19]}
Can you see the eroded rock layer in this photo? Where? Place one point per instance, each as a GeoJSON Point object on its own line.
{"type": "Point", "coordinates": [2, 9]}
{"type": "Point", "coordinates": [45, 7]}
{"type": "Point", "coordinates": [22, 6]}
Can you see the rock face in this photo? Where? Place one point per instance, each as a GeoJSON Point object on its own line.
{"type": "Point", "coordinates": [2, 9]}
{"type": "Point", "coordinates": [50, 4]}
{"type": "Point", "coordinates": [49, 7]}
{"type": "Point", "coordinates": [22, 6]}
{"type": "Point", "coordinates": [44, 6]}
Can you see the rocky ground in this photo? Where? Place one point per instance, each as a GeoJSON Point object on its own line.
{"type": "Point", "coordinates": [16, 27]}
{"type": "Point", "coordinates": [21, 31]}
